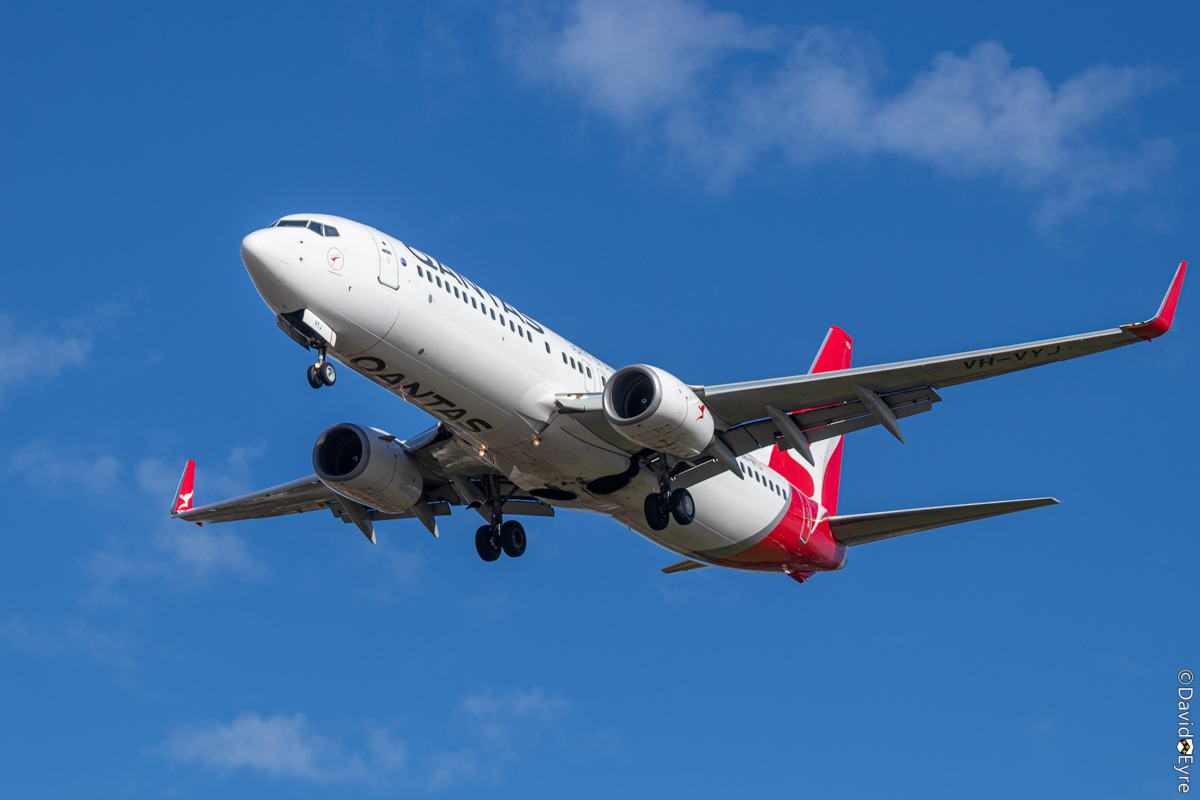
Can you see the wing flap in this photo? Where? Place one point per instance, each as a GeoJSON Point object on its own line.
{"type": "Point", "coordinates": [687, 565]}
{"type": "Point", "coordinates": [854, 529]}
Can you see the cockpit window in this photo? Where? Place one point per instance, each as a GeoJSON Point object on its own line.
{"type": "Point", "coordinates": [313, 225]}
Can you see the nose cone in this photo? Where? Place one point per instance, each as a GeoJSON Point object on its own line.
{"type": "Point", "coordinates": [266, 257]}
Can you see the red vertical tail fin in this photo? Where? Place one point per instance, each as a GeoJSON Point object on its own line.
{"type": "Point", "coordinates": [822, 481]}
{"type": "Point", "coordinates": [835, 354]}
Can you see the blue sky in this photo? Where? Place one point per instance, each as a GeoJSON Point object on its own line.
{"type": "Point", "coordinates": [702, 187]}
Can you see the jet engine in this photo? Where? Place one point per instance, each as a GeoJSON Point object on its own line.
{"type": "Point", "coordinates": [655, 409]}
{"type": "Point", "coordinates": [367, 465]}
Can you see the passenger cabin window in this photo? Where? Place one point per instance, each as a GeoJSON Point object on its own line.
{"type": "Point", "coordinates": [589, 372]}
{"type": "Point", "coordinates": [547, 347]}
{"type": "Point", "coordinates": [473, 305]}
{"type": "Point", "coordinates": [493, 312]}
{"type": "Point", "coordinates": [420, 273]}
{"type": "Point", "coordinates": [564, 357]}
{"type": "Point", "coordinates": [572, 363]}
{"type": "Point", "coordinates": [529, 336]}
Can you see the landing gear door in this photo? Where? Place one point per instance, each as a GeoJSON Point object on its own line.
{"type": "Point", "coordinates": [389, 260]}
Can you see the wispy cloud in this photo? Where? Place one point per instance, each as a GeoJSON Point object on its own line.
{"type": "Point", "coordinates": [27, 354]}
{"type": "Point", "coordinates": [727, 93]}
{"type": "Point", "coordinates": [494, 722]}
{"type": "Point", "coordinates": [282, 747]}
{"type": "Point", "coordinates": [291, 747]}
{"type": "Point", "coordinates": [63, 468]}
{"type": "Point", "coordinates": [177, 551]}
{"type": "Point", "coordinates": [76, 637]}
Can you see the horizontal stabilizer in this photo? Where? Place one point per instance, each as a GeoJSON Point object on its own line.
{"type": "Point", "coordinates": [855, 529]}
{"type": "Point", "coordinates": [687, 565]}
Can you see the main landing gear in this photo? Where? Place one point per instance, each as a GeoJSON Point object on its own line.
{"type": "Point", "coordinates": [660, 507]}
{"type": "Point", "coordinates": [491, 540]}
{"type": "Point", "coordinates": [321, 373]}
{"type": "Point", "coordinates": [500, 536]}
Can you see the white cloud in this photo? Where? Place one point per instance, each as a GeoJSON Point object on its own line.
{"type": "Point", "coordinates": [290, 747]}
{"type": "Point", "coordinates": [495, 722]}
{"type": "Point", "coordinates": [26, 354]}
{"type": "Point", "coordinates": [178, 552]}
{"type": "Point", "coordinates": [183, 553]}
{"type": "Point", "coordinates": [726, 93]}
{"type": "Point", "coordinates": [282, 747]}
{"type": "Point", "coordinates": [76, 637]}
{"type": "Point", "coordinates": [61, 469]}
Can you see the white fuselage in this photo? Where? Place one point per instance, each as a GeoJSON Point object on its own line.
{"type": "Point", "coordinates": [427, 334]}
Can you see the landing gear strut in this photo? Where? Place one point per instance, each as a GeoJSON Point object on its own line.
{"type": "Point", "coordinates": [321, 373]}
{"type": "Point", "coordinates": [500, 536]}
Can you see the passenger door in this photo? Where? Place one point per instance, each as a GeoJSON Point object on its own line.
{"type": "Point", "coordinates": [389, 260]}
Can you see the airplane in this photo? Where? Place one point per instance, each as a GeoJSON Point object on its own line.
{"type": "Point", "coordinates": [739, 475]}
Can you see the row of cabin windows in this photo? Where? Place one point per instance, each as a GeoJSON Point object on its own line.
{"type": "Point", "coordinates": [764, 480]}
{"type": "Point", "coordinates": [312, 225]}
{"type": "Point", "coordinates": [517, 329]}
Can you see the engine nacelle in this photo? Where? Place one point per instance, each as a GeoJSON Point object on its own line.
{"type": "Point", "coordinates": [655, 409]}
{"type": "Point", "coordinates": [369, 466]}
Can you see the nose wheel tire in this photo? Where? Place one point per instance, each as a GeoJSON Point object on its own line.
{"type": "Point", "coordinates": [683, 507]}
{"type": "Point", "coordinates": [314, 377]}
{"type": "Point", "coordinates": [512, 538]}
{"type": "Point", "coordinates": [327, 373]}
{"type": "Point", "coordinates": [487, 542]}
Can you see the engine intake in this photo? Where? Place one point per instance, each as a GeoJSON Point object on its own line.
{"type": "Point", "coordinates": [654, 409]}
{"type": "Point", "coordinates": [367, 465]}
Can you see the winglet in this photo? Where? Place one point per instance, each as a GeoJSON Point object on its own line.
{"type": "Point", "coordinates": [1161, 323]}
{"type": "Point", "coordinates": [183, 495]}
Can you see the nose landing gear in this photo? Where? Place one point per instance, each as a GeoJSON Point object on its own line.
{"type": "Point", "coordinates": [321, 373]}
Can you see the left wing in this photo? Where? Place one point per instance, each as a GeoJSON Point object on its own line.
{"type": "Point", "coordinates": [452, 470]}
{"type": "Point", "coordinates": [865, 387]}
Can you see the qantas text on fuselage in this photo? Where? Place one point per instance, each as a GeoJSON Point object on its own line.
{"type": "Point", "coordinates": [742, 475]}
